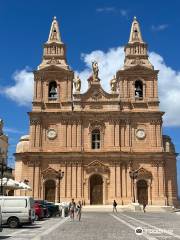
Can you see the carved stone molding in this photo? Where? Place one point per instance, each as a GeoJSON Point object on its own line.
{"type": "Point", "coordinates": [33, 163]}
{"type": "Point", "coordinates": [35, 121]}
{"type": "Point", "coordinates": [97, 167]}
{"type": "Point", "coordinates": [157, 121]}
{"type": "Point", "coordinates": [144, 174]}
{"type": "Point", "coordinates": [96, 124]}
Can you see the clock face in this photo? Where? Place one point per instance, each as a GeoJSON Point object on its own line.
{"type": "Point", "coordinates": [51, 134]}
{"type": "Point", "coordinates": [140, 133]}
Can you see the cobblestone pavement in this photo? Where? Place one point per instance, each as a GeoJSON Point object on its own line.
{"type": "Point", "coordinates": [102, 226]}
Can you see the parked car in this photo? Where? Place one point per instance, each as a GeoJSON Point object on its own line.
{"type": "Point", "coordinates": [39, 211]}
{"type": "Point", "coordinates": [53, 210]}
{"type": "Point", "coordinates": [0, 220]}
{"type": "Point", "coordinates": [17, 211]}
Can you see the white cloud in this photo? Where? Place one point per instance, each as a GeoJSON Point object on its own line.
{"type": "Point", "coordinates": [123, 12]}
{"type": "Point", "coordinates": [109, 62]}
{"type": "Point", "coordinates": [160, 27]}
{"type": "Point", "coordinates": [22, 91]}
{"type": "Point", "coordinates": [12, 130]}
{"type": "Point", "coordinates": [168, 82]}
{"type": "Point", "coordinates": [106, 9]}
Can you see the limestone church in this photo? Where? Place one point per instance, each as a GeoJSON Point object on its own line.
{"type": "Point", "coordinates": [86, 145]}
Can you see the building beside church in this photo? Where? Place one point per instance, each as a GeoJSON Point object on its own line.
{"type": "Point", "coordinates": [97, 138]}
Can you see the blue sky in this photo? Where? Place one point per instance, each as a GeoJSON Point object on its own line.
{"type": "Point", "coordinates": [89, 29]}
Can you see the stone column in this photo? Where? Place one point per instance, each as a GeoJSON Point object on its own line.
{"type": "Point", "coordinates": [112, 180]}
{"type": "Point", "coordinates": [74, 135]}
{"type": "Point", "coordinates": [104, 190]}
{"type": "Point", "coordinates": [57, 190]}
{"type": "Point", "coordinates": [37, 183]}
{"type": "Point", "coordinates": [79, 134]}
{"type": "Point", "coordinates": [129, 182]}
{"type": "Point", "coordinates": [74, 181]}
{"type": "Point", "coordinates": [69, 181]}
{"type": "Point", "coordinates": [149, 192]}
{"type": "Point", "coordinates": [118, 185]}
{"type": "Point", "coordinates": [79, 181]}
{"type": "Point", "coordinates": [123, 181]}
{"type": "Point", "coordinates": [161, 179]}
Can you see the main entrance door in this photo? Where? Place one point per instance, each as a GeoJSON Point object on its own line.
{"type": "Point", "coordinates": [50, 189]}
{"type": "Point", "coordinates": [142, 191]}
{"type": "Point", "coordinates": [96, 189]}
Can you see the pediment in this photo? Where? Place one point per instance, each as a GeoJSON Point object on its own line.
{"type": "Point", "coordinates": [54, 68]}
{"type": "Point", "coordinates": [144, 174]}
{"type": "Point", "coordinates": [97, 167]}
{"type": "Point", "coordinates": [138, 68]}
{"type": "Point", "coordinates": [96, 93]}
{"type": "Point", "coordinates": [49, 171]}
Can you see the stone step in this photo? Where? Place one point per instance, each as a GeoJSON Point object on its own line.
{"type": "Point", "coordinates": [130, 208]}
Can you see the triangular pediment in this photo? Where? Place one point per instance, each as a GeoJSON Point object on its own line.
{"type": "Point", "coordinates": [49, 171]}
{"type": "Point", "coordinates": [52, 67]}
{"type": "Point", "coordinates": [96, 163]}
{"type": "Point", "coordinates": [97, 167]}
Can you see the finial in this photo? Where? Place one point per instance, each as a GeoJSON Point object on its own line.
{"type": "Point", "coordinates": [54, 18]}
{"type": "Point", "coordinates": [135, 18]}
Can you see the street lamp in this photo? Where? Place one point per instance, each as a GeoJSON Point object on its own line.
{"type": "Point", "coordinates": [133, 175]}
{"type": "Point", "coordinates": [5, 171]}
{"type": "Point", "coordinates": [60, 175]}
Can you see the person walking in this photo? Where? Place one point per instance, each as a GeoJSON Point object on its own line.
{"type": "Point", "coordinates": [79, 208]}
{"type": "Point", "coordinates": [114, 206]}
{"type": "Point", "coordinates": [72, 206]}
{"type": "Point", "coordinates": [144, 206]}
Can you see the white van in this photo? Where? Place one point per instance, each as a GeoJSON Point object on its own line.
{"type": "Point", "coordinates": [0, 220]}
{"type": "Point", "coordinates": [17, 210]}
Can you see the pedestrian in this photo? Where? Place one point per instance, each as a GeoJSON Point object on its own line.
{"type": "Point", "coordinates": [79, 208]}
{"type": "Point", "coordinates": [144, 206]}
{"type": "Point", "coordinates": [114, 206]}
{"type": "Point", "coordinates": [72, 206]}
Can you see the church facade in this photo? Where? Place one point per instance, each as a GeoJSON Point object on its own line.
{"type": "Point", "coordinates": [86, 146]}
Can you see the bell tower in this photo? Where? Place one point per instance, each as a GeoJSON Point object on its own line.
{"type": "Point", "coordinates": [137, 79]}
{"type": "Point", "coordinates": [53, 77]}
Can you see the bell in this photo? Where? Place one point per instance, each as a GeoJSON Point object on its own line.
{"type": "Point", "coordinates": [138, 89]}
{"type": "Point", "coordinates": [53, 92]}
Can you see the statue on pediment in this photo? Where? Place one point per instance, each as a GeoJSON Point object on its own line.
{"type": "Point", "coordinates": [77, 84]}
{"type": "Point", "coordinates": [113, 84]}
{"type": "Point", "coordinates": [95, 69]}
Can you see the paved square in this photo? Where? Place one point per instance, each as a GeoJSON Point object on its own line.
{"type": "Point", "coordinates": [102, 226]}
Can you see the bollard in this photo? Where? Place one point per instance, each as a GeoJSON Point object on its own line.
{"type": "Point", "coordinates": [63, 213]}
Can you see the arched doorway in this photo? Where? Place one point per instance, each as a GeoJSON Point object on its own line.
{"type": "Point", "coordinates": [142, 192]}
{"type": "Point", "coordinates": [96, 189]}
{"type": "Point", "coordinates": [50, 190]}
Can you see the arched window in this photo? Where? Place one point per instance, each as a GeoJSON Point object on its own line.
{"type": "Point", "coordinates": [138, 89]}
{"type": "Point", "coordinates": [52, 90]}
{"type": "Point", "coordinates": [96, 139]}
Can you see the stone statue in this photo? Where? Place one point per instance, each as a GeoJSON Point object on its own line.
{"type": "Point", "coordinates": [113, 84]}
{"type": "Point", "coordinates": [77, 84]}
{"type": "Point", "coordinates": [95, 71]}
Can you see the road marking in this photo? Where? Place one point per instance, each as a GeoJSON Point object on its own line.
{"type": "Point", "coordinates": [149, 225]}
{"type": "Point", "coordinates": [133, 227]}
{"type": "Point", "coordinates": [16, 232]}
{"type": "Point", "coordinates": [38, 237]}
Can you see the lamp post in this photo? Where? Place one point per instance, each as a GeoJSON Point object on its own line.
{"type": "Point", "coordinates": [133, 175]}
{"type": "Point", "coordinates": [5, 171]}
{"type": "Point", "coordinates": [60, 176]}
